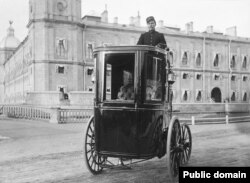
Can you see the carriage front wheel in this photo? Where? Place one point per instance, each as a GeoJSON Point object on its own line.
{"type": "Point", "coordinates": [93, 161]}
{"type": "Point", "coordinates": [179, 145]}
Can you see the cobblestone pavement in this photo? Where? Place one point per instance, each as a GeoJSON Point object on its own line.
{"type": "Point", "coordinates": [33, 151]}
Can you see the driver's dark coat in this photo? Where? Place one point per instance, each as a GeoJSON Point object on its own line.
{"type": "Point", "coordinates": [151, 38]}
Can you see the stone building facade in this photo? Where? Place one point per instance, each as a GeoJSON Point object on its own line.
{"type": "Point", "coordinates": [56, 57]}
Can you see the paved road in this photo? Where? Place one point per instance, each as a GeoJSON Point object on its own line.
{"type": "Point", "coordinates": [33, 151]}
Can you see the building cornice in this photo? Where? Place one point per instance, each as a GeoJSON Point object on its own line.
{"type": "Point", "coordinates": [54, 21]}
{"type": "Point", "coordinates": [68, 62]}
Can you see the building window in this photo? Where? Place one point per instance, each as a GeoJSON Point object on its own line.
{"type": "Point", "coordinates": [198, 76]}
{"type": "Point", "coordinates": [90, 71]}
{"type": "Point", "coordinates": [233, 78]}
{"type": "Point", "coordinates": [184, 58]}
{"type": "Point", "coordinates": [244, 78]}
{"type": "Point", "coordinates": [185, 76]}
{"type": "Point", "coordinates": [185, 95]}
{"type": "Point", "coordinates": [61, 47]}
{"type": "Point", "coordinates": [244, 99]}
{"type": "Point", "coordinates": [233, 97]}
{"type": "Point", "coordinates": [198, 60]}
{"type": "Point", "coordinates": [216, 77]}
{"type": "Point", "coordinates": [244, 62]}
{"type": "Point", "coordinates": [233, 62]}
{"type": "Point", "coordinates": [216, 60]}
{"type": "Point", "coordinates": [60, 69]}
{"type": "Point", "coordinates": [198, 96]}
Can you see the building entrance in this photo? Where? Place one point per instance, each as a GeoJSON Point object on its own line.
{"type": "Point", "coordinates": [216, 95]}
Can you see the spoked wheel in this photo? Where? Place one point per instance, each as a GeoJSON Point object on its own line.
{"type": "Point", "coordinates": [174, 149]}
{"type": "Point", "coordinates": [186, 141]}
{"type": "Point", "coordinates": [92, 159]}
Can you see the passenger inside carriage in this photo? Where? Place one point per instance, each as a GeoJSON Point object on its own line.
{"type": "Point", "coordinates": [126, 92]}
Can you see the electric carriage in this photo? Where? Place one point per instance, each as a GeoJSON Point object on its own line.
{"type": "Point", "coordinates": [133, 111]}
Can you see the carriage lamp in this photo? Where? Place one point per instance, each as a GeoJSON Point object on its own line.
{"type": "Point", "coordinates": [171, 77]}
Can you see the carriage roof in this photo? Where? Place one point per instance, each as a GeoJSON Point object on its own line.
{"type": "Point", "coordinates": [130, 48]}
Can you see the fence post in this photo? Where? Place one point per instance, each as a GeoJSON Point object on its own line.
{"type": "Point", "coordinates": [227, 120]}
{"type": "Point", "coordinates": [54, 115]}
{"type": "Point", "coordinates": [193, 120]}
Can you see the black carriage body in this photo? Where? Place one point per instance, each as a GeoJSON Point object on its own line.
{"type": "Point", "coordinates": [131, 102]}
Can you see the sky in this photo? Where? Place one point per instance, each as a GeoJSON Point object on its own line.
{"type": "Point", "coordinates": [221, 14]}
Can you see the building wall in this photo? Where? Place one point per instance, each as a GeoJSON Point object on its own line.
{"type": "Point", "coordinates": [18, 75]}
{"type": "Point", "coordinates": [215, 52]}
{"type": "Point", "coordinates": [58, 39]}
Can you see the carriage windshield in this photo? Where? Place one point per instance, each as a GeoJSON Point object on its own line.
{"type": "Point", "coordinates": [154, 77]}
{"type": "Point", "coordinates": [119, 76]}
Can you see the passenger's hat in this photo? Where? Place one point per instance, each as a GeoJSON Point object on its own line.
{"type": "Point", "coordinates": [151, 18]}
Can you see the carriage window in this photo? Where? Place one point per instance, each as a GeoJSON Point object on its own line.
{"type": "Point", "coordinates": [119, 76]}
{"type": "Point", "coordinates": [154, 77]}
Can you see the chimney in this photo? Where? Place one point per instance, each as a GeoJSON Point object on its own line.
{"type": "Point", "coordinates": [210, 29]}
{"type": "Point", "coordinates": [115, 20]}
{"type": "Point", "coordinates": [104, 15]}
{"type": "Point", "coordinates": [137, 20]}
{"type": "Point", "coordinates": [189, 27]}
{"type": "Point", "coordinates": [160, 23]}
{"type": "Point", "coordinates": [231, 31]}
{"type": "Point", "coordinates": [131, 21]}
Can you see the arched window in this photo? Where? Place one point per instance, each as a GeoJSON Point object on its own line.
{"type": "Point", "coordinates": [216, 60]}
{"type": "Point", "coordinates": [184, 58]}
{"type": "Point", "coordinates": [198, 95]}
{"type": "Point", "coordinates": [244, 78]}
{"type": "Point", "coordinates": [233, 97]}
{"type": "Point", "coordinates": [185, 95]}
{"type": "Point", "coordinates": [233, 62]}
{"type": "Point", "coordinates": [244, 62]}
{"type": "Point", "coordinates": [198, 60]}
{"type": "Point", "coordinates": [244, 97]}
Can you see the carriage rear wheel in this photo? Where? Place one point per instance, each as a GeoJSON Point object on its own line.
{"type": "Point", "coordinates": [173, 149]}
{"type": "Point", "coordinates": [186, 140]}
{"type": "Point", "coordinates": [93, 160]}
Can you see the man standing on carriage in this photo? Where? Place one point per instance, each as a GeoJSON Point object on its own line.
{"type": "Point", "coordinates": [152, 37]}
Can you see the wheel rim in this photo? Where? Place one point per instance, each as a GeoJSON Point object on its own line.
{"type": "Point", "coordinates": [92, 159]}
{"type": "Point", "coordinates": [186, 141]}
{"type": "Point", "coordinates": [174, 149]}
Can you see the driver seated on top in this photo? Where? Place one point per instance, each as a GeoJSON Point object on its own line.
{"type": "Point", "coordinates": [126, 92]}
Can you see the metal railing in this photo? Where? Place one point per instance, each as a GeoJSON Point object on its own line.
{"type": "Point", "coordinates": [26, 112]}
{"type": "Point", "coordinates": [59, 115]}
{"type": "Point", "coordinates": [54, 115]}
{"type": "Point", "coordinates": [75, 115]}
{"type": "Point", "coordinates": [215, 120]}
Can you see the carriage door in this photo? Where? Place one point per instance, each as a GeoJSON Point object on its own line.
{"type": "Point", "coordinates": [152, 92]}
